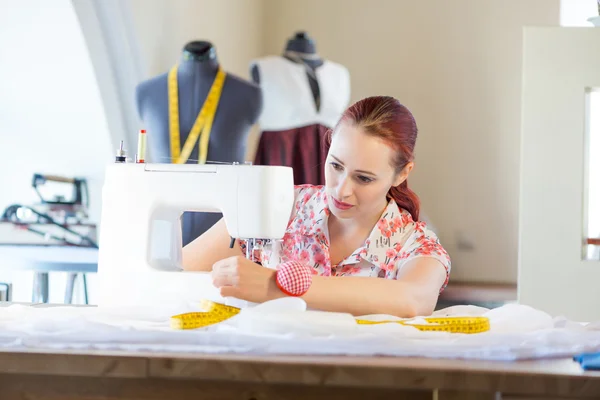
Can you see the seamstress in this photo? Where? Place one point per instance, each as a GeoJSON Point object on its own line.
{"type": "Point", "coordinates": [354, 245]}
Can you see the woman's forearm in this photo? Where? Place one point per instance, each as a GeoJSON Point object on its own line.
{"type": "Point", "coordinates": [208, 248]}
{"type": "Point", "coordinates": [362, 296]}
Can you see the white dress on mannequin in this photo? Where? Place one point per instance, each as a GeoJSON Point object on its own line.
{"type": "Point", "coordinates": [293, 129]}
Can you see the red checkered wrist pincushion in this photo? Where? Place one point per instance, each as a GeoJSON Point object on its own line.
{"type": "Point", "coordinates": [293, 278]}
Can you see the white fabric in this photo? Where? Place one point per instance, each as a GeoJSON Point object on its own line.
{"type": "Point", "coordinates": [285, 327]}
{"type": "Point", "coordinates": [288, 100]}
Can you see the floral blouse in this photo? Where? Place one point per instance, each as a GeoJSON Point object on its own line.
{"type": "Point", "coordinates": [395, 240]}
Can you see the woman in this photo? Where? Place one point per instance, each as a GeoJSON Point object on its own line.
{"type": "Point", "coordinates": [359, 234]}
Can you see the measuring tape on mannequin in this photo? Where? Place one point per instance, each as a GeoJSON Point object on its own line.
{"type": "Point", "coordinates": [215, 313]}
{"type": "Point", "coordinates": [203, 121]}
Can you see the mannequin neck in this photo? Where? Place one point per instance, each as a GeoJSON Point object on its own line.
{"type": "Point", "coordinates": [189, 66]}
{"type": "Point", "coordinates": [301, 45]}
{"type": "Point", "coordinates": [199, 58]}
{"type": "Point", "coordinates": [302, 49]}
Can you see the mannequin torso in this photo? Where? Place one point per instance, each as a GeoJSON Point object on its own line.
{"type": "Point", "coordinates": [239, 107]}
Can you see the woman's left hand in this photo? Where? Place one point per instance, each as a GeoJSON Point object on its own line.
{"type": "Point", "coordinates": [244, 279]}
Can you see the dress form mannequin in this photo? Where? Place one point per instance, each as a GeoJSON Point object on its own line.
{"type": "Point", "coordinates": [301, 49]}
{"type": "Point", "coordinates": [304, 95]}
{"type": "Point", "coordinates": [239, 107]}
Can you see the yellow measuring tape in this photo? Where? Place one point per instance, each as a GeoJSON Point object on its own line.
{"type": "Point", "coordinates": [203, 121]}
{"type": "Point", "coordinates": [215, 313]}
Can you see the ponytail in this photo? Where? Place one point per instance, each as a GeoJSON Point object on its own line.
{"type": "Point", "coordinates": [406, 199]}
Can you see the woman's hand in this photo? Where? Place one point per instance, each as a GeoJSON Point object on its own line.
{"type": "Point", "coordinates": [243, 279]}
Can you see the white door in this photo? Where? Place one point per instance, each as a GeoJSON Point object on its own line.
{"type": "Point", "coordinates": [560, 178]}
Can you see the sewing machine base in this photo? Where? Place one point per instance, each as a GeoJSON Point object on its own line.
{"type": "Point", "coordinates": [134, 288]}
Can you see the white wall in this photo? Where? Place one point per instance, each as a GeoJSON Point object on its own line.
{"type": "Point", "coordinates": [51, 116]}
{"type": "Point", "coordinates": [163, 27]}
{"type": "Point", "coordinates": [457, 65]}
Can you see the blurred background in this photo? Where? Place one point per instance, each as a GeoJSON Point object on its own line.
{"type": "Point", "coordinates": [69, 72]}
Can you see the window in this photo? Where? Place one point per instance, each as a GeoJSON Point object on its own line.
{"type": "Point", "coordinates": [592, 176]}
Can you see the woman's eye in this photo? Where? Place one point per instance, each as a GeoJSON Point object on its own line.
{"type": "Point", "coordinates": [336, 166]}
{"type": "Point", "coordinates": [365, 179]}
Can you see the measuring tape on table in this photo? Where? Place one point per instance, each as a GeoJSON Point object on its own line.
{"type": "Point", "coordinates": [215, 313]}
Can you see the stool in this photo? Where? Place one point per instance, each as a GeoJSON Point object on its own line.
{"type": "Point", "coordinates": [41, 290]}
{"type": "Point", "coordinates": [5, 291]}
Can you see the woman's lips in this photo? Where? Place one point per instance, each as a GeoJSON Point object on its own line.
{"type": "Point", "coordinates": [341, 205]}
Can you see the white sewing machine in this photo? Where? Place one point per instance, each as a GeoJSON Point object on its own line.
{"type": "Point", "coordinates": [139, 260]}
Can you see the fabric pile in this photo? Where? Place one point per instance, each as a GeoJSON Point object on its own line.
{"type": "Point", "coordinates": [285, 326]}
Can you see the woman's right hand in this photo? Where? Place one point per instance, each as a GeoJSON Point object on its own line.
{"type": "Point", "coordinates": [243, 279]}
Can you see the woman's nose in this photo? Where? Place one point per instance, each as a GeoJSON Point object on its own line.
{"type": "Point", "coordinates": [344, 188]}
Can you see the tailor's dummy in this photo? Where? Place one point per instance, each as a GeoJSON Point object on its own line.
{"type": "Point", "coordinates": [239, 107]}
{"type": "Point", "coordinates": [304, 96]}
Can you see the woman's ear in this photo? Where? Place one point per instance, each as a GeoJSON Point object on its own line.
{"type": "Point", "coordinates": [403, 175]}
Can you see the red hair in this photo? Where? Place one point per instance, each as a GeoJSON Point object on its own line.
{"type": "Point", "coordinates": [385, 118]}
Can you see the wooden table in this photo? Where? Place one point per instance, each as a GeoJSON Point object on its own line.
{"type": "Point", "coordinates": [120, 375]}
